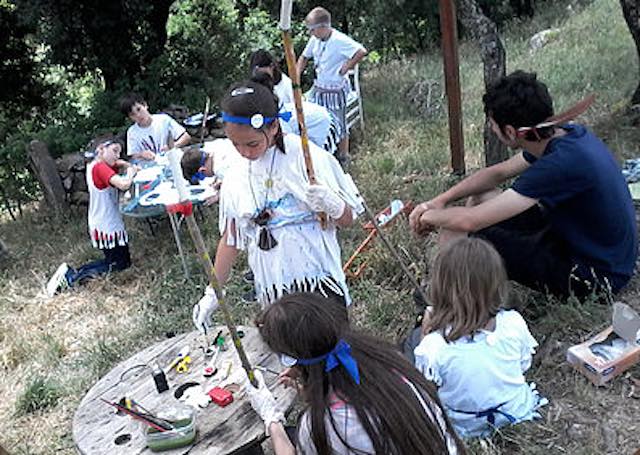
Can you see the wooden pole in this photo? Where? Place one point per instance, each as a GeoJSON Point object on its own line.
{"type": "Point", "coordinates": [285, 26]}
{"type": "Point", "coordinates": [207, 263]}
{"type": "Point", "coordinates": [448, 28]}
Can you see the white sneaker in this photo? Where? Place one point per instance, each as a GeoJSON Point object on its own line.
{"type": "Point", "coordinates": [58, 280]}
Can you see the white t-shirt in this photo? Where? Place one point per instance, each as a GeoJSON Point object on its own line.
{"type": "Point", "coordinates": [479, 373]}
{"type": "Point", "coordinates": [284, 90]}
{"type": "Point", "coordinates": [329, 56]}
{"type": "Point", "coordinates": [317, 120]}
{"type": "Point", "coordinates": [106, 226]}
{"type": "Point", "coordinates": [154, 137]}
{"type": "Point", "coordinates": [224, 156]}
{"type": "Point", "coordinates": [305, 254]}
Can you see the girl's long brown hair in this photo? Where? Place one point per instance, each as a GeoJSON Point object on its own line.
{"type": "Point", "coordinates": [468, 286]}
{"type": "Point", "coordinates": [305, 325]}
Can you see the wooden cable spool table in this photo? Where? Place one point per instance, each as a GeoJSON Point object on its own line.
{"type": "Point", "coordinates": [97, 429]}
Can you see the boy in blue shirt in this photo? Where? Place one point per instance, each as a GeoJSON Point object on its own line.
{"type": "Point", "coordinates": [567, 224]}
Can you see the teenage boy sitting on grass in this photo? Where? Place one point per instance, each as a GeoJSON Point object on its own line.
{"type": "Point", "coordinates": [567, 224]}
{"type": "Point", "coordinates": [151, 133]}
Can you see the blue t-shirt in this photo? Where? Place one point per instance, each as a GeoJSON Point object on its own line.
{"type": "Point", "coordinates": [580, 184]}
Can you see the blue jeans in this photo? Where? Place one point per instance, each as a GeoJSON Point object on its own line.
{"type": "Point", "coordinates": [115, 260]}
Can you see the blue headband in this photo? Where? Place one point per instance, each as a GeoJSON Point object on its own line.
{"type": "Point", "coordinates": [341, 354]}
{"type": "Point", "coordinates": [195, 178]}
{"type": "Point", "coordinates": [256, 120]}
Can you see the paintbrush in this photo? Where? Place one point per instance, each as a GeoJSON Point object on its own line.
{"type": "Point", "coordinates": [267, 370]}
{"type": "Point", "coordinates": [149, 420]}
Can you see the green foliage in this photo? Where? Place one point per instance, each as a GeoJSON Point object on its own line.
{"type": "Point", "coordinates": [21, 84]}
{"type": "Point", "coordinates": [40, 394]}
{"type": "Point", "coordinates": [119, 38]}
{"type": "Point", "coordinates": [208, 48]}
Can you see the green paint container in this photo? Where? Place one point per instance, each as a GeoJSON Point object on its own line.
{"type": "Point", "coordinates": [182, 435]}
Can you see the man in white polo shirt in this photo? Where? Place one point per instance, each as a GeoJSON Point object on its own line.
{"type": "Point", "coordinates": [333, 54]}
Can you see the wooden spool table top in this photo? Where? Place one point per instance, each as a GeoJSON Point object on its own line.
{"type": "Point", "coordinates": [97, 429]}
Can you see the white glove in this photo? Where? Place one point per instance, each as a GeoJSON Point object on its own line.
{"type": "Point", "coordinates": [203, 310]}
{"type": "Point", "coordinates": [263, 402]}
{"type": "Point", "coordinates": [321, 198]}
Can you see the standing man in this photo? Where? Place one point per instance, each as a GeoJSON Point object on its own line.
{"type": "Point", "coordinates": [567, 224]}
{"type": "Point", "coordinates": [333, 54]}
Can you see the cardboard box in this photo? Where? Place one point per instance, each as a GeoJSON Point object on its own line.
{"type": "Point", "coordinates": [612, 351]}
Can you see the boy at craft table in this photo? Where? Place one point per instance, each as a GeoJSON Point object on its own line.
{"type": "Point", "coordinates": [208, 165]}
{"type": "Point", "coordinates": [151, 134]}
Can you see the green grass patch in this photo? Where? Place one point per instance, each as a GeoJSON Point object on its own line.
{"type": "Point", "coordinates": [40, 394]}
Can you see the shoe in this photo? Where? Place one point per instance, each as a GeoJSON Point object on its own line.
{"type": "Point", "coordinates": [248, 277]}
{"type": "Point", "coordinates": [249, 297]}
{"type": "Point", "coordinates": [58, 280]}
{"type": "Point", "coordinates": [408, 344]}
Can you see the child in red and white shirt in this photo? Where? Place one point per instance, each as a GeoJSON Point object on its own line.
{"type": "Point", "coordinates": [106, 226]}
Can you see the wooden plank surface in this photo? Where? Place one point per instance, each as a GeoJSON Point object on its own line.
{"type": "Point", "coordinates": [220, 430]}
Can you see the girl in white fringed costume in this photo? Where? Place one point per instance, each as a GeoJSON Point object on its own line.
{"type": "Point", "coordinates": [269, 209]}
{"type": "Point", "coordinates": [474, 351]}
{"type": "Point", "coordinates": [106, 227]}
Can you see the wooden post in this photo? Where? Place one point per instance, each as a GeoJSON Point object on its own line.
{"type": "Point", "coordinates": [47, 173]}
{"type": "Point", "coordinates": [452, 83]}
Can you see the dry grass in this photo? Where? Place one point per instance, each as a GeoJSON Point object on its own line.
{"type": "Point", "coordinates": [73, 339]}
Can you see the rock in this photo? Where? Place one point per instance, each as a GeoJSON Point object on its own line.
{"type": "Point", "coordinates": [610, 439]}
{"type": "Point", "coordinates": [4, 252]}
{"type": "Point", "coordinates": [69, 162]}
{"type": "Point", "coordinates": [576, 431]}
{"type": "Point", "coordinates": [79, 198]}
{"type": "Point", "coordinates": [541, 39]}
{"type": "Point", "coordinates": [425, 96]}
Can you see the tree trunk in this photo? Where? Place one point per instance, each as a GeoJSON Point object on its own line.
{"type": "Point", "coordinates": [485, 32]}
{"type": "Point", "coordinates": [631, 10]}
{"type": "Point", "coordinates": [47, 173]}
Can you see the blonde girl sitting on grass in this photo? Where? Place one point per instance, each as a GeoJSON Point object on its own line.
{"type": "Point", "coordinates": [473, 350]}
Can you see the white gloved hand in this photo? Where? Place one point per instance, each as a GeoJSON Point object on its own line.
{"type": "Point", "coordinates": [203, 310]}
{"type": "Point", "coordinates": [263, 402]}
{"type": "Point", "coordinates": [321, 198]}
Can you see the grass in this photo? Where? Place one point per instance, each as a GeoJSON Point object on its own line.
{"type": "Point", "coordinates": [70, 341]}
{"type": "Point", "coordinates": [39, 395]}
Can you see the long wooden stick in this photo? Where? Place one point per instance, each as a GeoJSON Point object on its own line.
{"type": "Point", "coordinates": [207, 263]}
{"type": "Point", "coordinates": [573, 111]}
{"type": "Point", "coordinates": [204, 120]}
{"type": "Point", "coordinates": [285, 26]}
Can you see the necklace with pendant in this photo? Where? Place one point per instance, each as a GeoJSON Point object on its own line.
{"type": "Point", "coordinates": [266, 241]}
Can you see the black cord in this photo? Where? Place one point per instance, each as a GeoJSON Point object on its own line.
{"type": "Point", "coordinates": [141, 365]}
